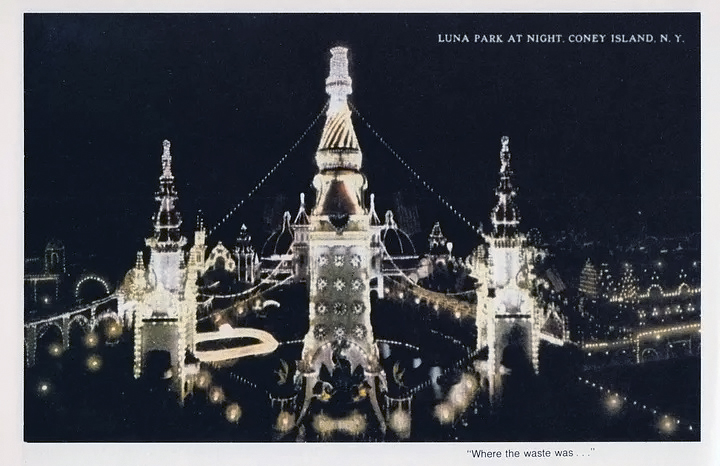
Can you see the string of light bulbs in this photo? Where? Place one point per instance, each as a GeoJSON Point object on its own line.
{"type": "Point", "coordinates": [441, 198]}
{"type": "Point", "coordinates": [666, 422]}
{"type": "Point", "coordinates": [267, 175]}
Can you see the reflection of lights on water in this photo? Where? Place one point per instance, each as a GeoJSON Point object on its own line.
{"type": "Point", "coordinates": [55, 349]}
{"type": "Point", "coordinates": [93, 363]}
{"type": "Point", "coordinates": [233, 412]}
{"type": "Point", "coordinates": [400, 423]}
{"type": "Point", "coordinates": [216, 395]}
{"type": "Point", "coordinates": [285, 421]}
{"type": "Point", "coordinates": [91, 340]}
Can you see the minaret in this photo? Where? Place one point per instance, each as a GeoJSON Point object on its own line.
{"type": "Point", "coordinates": [166, 255]}
{"type": "Point", "coordinates": [339, 242]}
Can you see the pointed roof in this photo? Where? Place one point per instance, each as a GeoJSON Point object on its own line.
{"type": "Point", "coordinates": [339, 147]}
{"type": "Point", "coordinates": [167, 220]}
{"type": "Point", "coordinates": [302, 217]}
{"type": "Point", "coordinates": [374, 219]}
{"type": "Point", "coordinates": [505, 217]}
{"type": "Point", "coordinates": [339, 133]}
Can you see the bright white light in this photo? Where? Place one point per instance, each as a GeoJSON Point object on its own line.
{"type": "Point", "coordinates": [93, 363]}
{"type": "Point", "coordinates": [233, 412]}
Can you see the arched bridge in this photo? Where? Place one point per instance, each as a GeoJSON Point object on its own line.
{"type": "Point", "coordinates": [88, 317]}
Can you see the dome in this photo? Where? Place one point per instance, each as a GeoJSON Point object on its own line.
{"type": "Point", "coordinates": [279, 242]}
{"type": "Point", "coordinates": [54, 244]}
{"type": "Point", "coordinates": [396, 241]}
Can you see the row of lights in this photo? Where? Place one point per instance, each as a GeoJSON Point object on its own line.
{"type": "Point", "coordinates": [460, 309]}
{"type": "Point", "coordinates": [666, 423]}
{"type": "Point", "coordinates": [267, 175]}
{"type": "Point", "coordinates": [444, 201]}
{"type": "Point", "coordinates": [657, 333]}
{"type": "Point", "coordinates": [216, 395]}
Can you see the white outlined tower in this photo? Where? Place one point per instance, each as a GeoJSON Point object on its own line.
{"type": "Point", "coordinates": [508, 315]}
{"type": "Point", "coordinates": [339, 251]}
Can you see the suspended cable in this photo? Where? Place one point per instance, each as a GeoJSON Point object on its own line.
{"type": "Point", "coordinates": [443, 200]}
{"type": "Point", "coordinates": [267, 175]}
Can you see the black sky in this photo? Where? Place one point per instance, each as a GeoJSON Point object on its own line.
{"type": "Point", "coordinates": [605, 137]}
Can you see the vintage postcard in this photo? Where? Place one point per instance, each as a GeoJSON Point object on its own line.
{"type": "Point", "coordinates": [477, 232]}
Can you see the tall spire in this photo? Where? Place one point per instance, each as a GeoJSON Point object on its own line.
{"type": "Point", "coordinates": [339, 184]}
{"type": "Point", "coordinates": [505, 217]}
{"type": "Point", "coordinates": [167, 220]}
{"type": "Point", "coordinates": [339, 134]}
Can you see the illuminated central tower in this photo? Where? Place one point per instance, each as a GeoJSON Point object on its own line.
{"type": "Point", "coordinates": [340, 335]}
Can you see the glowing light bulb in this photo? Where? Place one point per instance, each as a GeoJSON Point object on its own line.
{"type": "Point", "coordinates": [55, 349]}
{"type": "Point", "coordinates": [233, 412]}
{"type": "Point", "coordinates": [216, 395]}
{"type": "Point", "coordinates": [93, 363]}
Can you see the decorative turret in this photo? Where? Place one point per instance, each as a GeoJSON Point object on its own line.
{"type": "Point", "coordinates": [437, 241]}
{"type": "Point", "coordinates": [505, 217]}
{"type": "Point", "coordinates": [166, 256]}
{"type": "Point", "coordinates": [247, 259]}
{"type": "Point", "coordinates": [167, 220]}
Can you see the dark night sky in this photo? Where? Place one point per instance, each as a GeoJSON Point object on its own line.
{"type": "Point", "coordinates": [599, 132]}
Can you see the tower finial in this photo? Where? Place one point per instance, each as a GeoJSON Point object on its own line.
{"type": "Point", "coordinates": [139, 261]}
{"type": "Point", "coordinates": [338, 84]}
{"type": "Point", "coordinates": [374, 220]}
{"type": "Point", "coordinates": [505, 217]}
{"type": "Point", "coordinates": [166, 160]}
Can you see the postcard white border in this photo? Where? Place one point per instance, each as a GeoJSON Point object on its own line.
{"type": "Point", "coordinates": [14, 451]}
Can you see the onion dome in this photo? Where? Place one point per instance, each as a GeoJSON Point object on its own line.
{"type": "Point", "coordinates": [397, 243]}
{"type": "Point", "coordinates": [278, 243]}
{"type": "Point", "coordinates": [54, 244]}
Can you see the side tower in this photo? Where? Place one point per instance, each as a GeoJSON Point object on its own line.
{"type": "Point", "coordinates": [164, 316]}
{"type": "Point", "coordinates": [340, 335]}
{"type": "Point", "coordinates": [508, 313]}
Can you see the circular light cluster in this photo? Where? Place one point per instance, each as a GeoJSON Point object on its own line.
{"type": "Point", "coordinates": [357, 284]}
{"type": "Point", "coordinates": [320, 332]}
{"type": "Point", "coordinates": [355, 261]}
{"type": "Point", "coordinates": [323, 260]}
{"type": "Point", "coordinates": [358, 307]}
{"type": "Point", "coordinates": [339, 284]}
{"type": "Point", "coordinates": [340, 308]}
{"type": "Point", "coordinates": [339, 260]}
{"type": "Point", "coordinates": [321, 308]}
{"type": "Point", "coordinates": [339, 332]}
{"type": "Point", "coordinates": [322, 284]}
{"type": "Point", "coordinates": [359, 331]}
